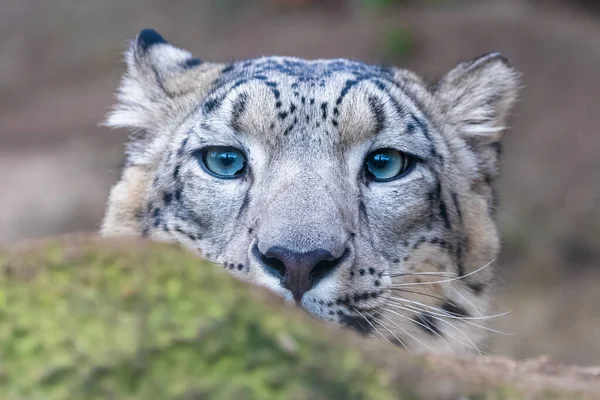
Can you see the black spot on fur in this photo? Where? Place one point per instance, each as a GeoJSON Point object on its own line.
{"type": "Point", "coordinates": [191, 63]}
{"type": "Point", "coordinates": [357, 323]}
{"type": "Point", "coordinates": [362, 272]}
{"type": "Point", "coordinates": [324, 110]}
{"type": "Point", "coordinates": [240, 267]}
{"type": "Point", "coordinates": [228, 69]}
{"type": "Point", "coordinates": [176, 171]}
{"type": "Point", "coordinates": [428, 324]}
{"type": "Point", "coordinates": [419, 242]}
{"type": "Point", "coordinates": [148, 38]}
{"type": "Point", "coordinates": [457, 205]}
{"type": "Point", "coordinates": [455, 309]}
{"type": "Point", "coordinates": [444, 214]}
{"type": "Point", "coordinates": [423, 127]}
{"type": "Point", "coordinates": [289, 128]}
{"type": "Point", "coordinates": [181, 149]}
{"type": "Point", "coordinates": [372, 271]}
{"type": "Point", "coordinates": [167, 197]}
{"type": "Point", "coordinates": [292, 108]}
{"type": "Point", "coordinates": [476, 287]}
{"type": "Point", "coordinates": [283, 115]}
{"type": "Point", "coordinates": [212, 104]}
{"type": "Point", "coordinates": [349, 84]}
{"type": "Point", "coordinates": [178, 194]}
{"type": "Point", "coordinates": [497, 146]}
{"type": "Point", "coordinates": [244, 205]}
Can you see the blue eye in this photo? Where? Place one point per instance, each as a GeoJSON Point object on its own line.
{"type": "Point", "coordinates": [222, 162]}
{"type": "Point", "coordinates": [387, 164]}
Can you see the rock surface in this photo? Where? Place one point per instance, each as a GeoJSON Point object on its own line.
{"type": "Point", "coordinates": [84, 317]}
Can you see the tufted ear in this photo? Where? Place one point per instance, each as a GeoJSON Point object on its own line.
{"type": "Point", "coordinates": [162, 85]}
{"type": "Point", "coordinates": [477, 96]}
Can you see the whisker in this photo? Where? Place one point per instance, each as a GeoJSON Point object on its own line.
{"type": "Point", "coordinates": [472, 346]}
{"type": "Point", "coordinates": [444, 280]}
{"type": "Point", "coordinates": [446, 315]}
{"type": "Point", "coordinates": [392, 333]}
{"type": "Point", "coordinates": [406, 332]}
{"type": "Point", "coordinates": [416, 292]}
{"type": "Point", "coordinates": [440, 274]}
{"type": "Point", "coordinates": [470, 303]}
{"type": "Point", "coordinates": [449, 314]}
{"type": "Point", "coordinates": [421, 324]}
{"type": "Point", "coordinates": [376, 330]}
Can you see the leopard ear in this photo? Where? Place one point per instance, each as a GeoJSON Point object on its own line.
{"type": "Point", "coordinates": [477, 96]}
{"type": "Point", "coordinates": [162, 84]}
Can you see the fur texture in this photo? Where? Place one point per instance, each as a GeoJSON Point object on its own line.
{"type": "Point", "coordinates": [415, 249]}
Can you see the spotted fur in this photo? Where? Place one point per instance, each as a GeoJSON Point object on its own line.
{"type": "Point", "coordinates": [414, 247]}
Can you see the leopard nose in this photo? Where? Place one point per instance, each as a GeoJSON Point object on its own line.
{"type": "Point", "coordinates": [299, 272]}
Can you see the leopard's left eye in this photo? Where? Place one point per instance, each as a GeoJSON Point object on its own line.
{"type": "Point", "coordinates": [222, 162]}
{"type": "Point", "coordinates": [388, 164]}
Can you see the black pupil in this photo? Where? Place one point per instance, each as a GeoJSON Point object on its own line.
{"type": "Point", "coordinates": [227, 158]}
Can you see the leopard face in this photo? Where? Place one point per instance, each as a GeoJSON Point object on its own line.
{"type": "Point", "coordinates": [357, 192]}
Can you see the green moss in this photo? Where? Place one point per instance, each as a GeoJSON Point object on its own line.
{"type": "Point", "coordinates": [82, 318]}
{"type": "Point", "coordinates": [155, 322]}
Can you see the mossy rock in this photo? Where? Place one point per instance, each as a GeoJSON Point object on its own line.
{"type": "Point", "coordinates": [86, 318]}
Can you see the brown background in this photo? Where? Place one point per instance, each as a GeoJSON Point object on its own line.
{"type": "Point", "coordinates": [60, 62]}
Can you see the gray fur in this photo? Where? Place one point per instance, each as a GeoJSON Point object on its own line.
{"type": "Point", "coordinates": [306, 127]}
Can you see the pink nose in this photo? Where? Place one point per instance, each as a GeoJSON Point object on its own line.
{"type": "Point", "coordinates": [298, 272]}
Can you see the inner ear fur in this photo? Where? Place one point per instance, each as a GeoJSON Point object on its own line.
{"type": "Point", "coordinates": [477, 96]}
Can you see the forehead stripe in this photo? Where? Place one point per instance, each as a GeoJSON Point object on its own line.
{"type": "Point", "coordinates": [378, 111]}
{"type": "Point", "coordinates": [239, 106]}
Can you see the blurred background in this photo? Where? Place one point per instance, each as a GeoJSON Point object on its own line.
{"type": "Point", "coordinates": [61, 61]}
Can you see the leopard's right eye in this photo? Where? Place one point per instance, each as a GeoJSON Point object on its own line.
{"type": "Point", "coordinates": [222, 162]}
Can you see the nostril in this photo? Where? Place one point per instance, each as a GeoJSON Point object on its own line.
{"type": "Point", "coordinates": [273, 265]}
{"type": "Point", "coordinates": [324, 268]}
